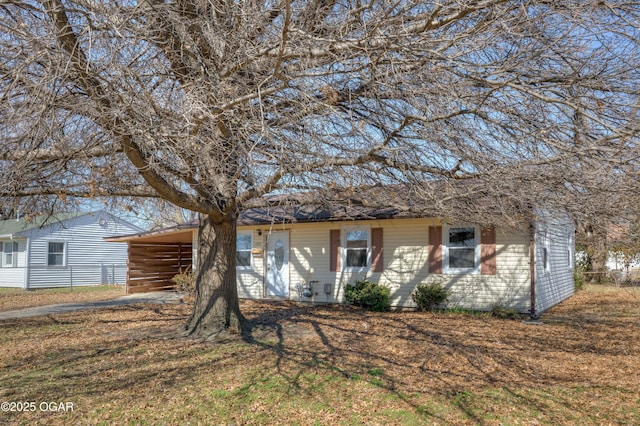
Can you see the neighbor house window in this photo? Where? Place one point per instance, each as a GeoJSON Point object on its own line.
{"type": "Point", "coordinates": [55, 254]}
{"type": "Point", "coordinates": [244, 242]}
{"type": "Point", "coordinates": [357, 246]}
{"type": "Point", "coordinates": [462, 249]}
{"type": "Point", "coordinates": [9, 255]}
{"type": "Point", "coordinates": [570, 255]}
{"type": "Point", "coordinates": [546, 252]}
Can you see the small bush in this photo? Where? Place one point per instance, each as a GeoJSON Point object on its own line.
{"type": "Point", "coordinates": [185, 283]}
{"type": "Point", "coordinates": [499, 311]}
{"type": "Point", "coordinates": [428, 296]}
{"type": "Point", "coordinates": [456, 310]}
{"type": "Point", "coordinates": [629, 281]}
{"type": "Point", "coordinates": [369, 295]}
{"type": "Point", "coordinates": [578, 280]}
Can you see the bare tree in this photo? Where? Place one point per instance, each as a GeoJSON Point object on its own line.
{"type": "Point", "coordinates": [211, 105]}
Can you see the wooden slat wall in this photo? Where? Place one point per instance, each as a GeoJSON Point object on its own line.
{"type": "Point", "coordinates": [152, 266]}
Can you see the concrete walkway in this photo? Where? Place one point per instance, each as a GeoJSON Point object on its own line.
{"type": "Point", "coordinates": [155, 297]}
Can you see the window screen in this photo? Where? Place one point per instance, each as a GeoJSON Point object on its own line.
{"type": "Point", "coordinates": [56, 254]}
{"type": "Point", "coordinates": [462, 247]}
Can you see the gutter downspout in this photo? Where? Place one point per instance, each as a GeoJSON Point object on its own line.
{"type": "Point", "coordinates": [532, 269]}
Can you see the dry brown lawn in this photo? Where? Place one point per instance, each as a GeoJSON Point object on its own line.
{"type": "Point", "coordinates": [20, 299]}
{"type": "Point", "coordinates": [331, 365]}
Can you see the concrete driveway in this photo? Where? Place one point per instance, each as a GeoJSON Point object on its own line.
{"type": "Point", "coordinates": [155, 297]}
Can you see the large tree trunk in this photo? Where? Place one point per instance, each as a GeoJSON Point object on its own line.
{"type": "Point", "coordinates": [598, 259]}
{"type": "Point", "coordinates": [597, 254]}
{"type": "Point", "coordinates": [216, 309]}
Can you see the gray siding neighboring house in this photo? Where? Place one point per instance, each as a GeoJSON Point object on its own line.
{"type": "Point", "coordinates": [62, 251]}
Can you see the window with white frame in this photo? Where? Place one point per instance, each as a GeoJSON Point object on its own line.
{"type": "Point", "coordinates": [9, 254]}
{"type": "Point", "coordinates": [546, 252]}
{"type": "Point", "coordinates": [357, 246]}
{"type": "Point", "coordinates": [244, 242]}
{"type": "Point", "coordinates": [570, 254]}
{"type": "Point", "coordinates": [462, 249]}
{"type": "Point", "coordinates": [55, 253]}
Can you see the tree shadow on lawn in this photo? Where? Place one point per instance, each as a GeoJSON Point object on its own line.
{"type": "Point", "coordinates": [92, 354]}
{"type": "Point", "coordinates": [446, 354]}
{"type": "Point", "coordinates": [405, 354]}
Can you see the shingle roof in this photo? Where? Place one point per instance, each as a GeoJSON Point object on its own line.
{"type": "Point", "coordinates": [316, 213]}
{"type": "Point", "coordinates": [348, 206]}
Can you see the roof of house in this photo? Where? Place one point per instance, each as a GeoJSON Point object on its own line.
{"type": "Point", "coordinates": [315, 207]}
{"type": "Point", "coordinates": [172, 234]}
{"type": "Point", "coordinates": [467, 198]}
{"type": "Point", "coordinates": [318, 213]}
{"type": "Point", "coordinates": [277, 214]}
{"type": "Point", "coordinates": [15, 227]}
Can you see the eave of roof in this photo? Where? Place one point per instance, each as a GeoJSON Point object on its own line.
{"type": "Point", "coordinates": [150, 235]}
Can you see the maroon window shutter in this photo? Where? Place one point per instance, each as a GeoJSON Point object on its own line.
{"type": "Point", "coordinates": [377, 257]}
{"type": "Point", "coordinates": [334, 244]}
{"type": "Point", "coordinates": [435, 249]}
{"type": "Point", "coordinates": [488, 251]}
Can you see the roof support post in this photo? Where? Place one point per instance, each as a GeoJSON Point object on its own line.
{"type": "Point", "coordinates": [126, 281]}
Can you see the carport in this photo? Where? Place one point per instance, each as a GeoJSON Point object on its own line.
{"type": "Point", "coordinates": [155, 257]}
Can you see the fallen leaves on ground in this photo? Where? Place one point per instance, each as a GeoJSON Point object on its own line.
{"type": "Point", "coordinates": [332, 364]}
{"type": "Point", "coordinates": [21, 299]}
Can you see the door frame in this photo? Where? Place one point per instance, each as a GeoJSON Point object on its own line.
{"type": "Point", "coordinates": [286, 238]}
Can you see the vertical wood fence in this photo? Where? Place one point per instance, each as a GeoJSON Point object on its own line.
{"type": "Point", "coordinates": [152, 266]}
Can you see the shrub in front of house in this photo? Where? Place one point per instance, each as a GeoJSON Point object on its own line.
{"type": "Point", "coordinates": [185, 283]}
{"type": "Point", "coordinates": [578, 280]}
{"type": "Point", "coordinates": [428, 296]}
{"type": "Point", "coordinates": [368, 295]}
{"type": "Point", "coordinates": [502, 312]}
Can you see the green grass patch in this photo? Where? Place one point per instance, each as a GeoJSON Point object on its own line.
{"type": "Point", "coordinates": [376, 372]}
{"type": "Point", "coordinates": [78, 289]}
{"type": "Point", "coordinates": [464, 311]}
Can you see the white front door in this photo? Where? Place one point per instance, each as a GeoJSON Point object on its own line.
{"type": "Point", "coordinates": [278, 264]}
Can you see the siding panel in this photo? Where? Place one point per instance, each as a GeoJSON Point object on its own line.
{"type": "Point", "coordinates": [251, 282]}
{"type": "Point", "coordinates": [14, 276]}
{"type": "Point", "coordinates": [556, 283]}
{"type": "Point", "coordinates": [406, 264]}
{"type": "Point", "coordinates": [88, 257]}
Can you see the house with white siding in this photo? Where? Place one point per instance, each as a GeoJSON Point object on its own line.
{"type": "Point", "coordinates": [310, 253]}
{"type": "Point", "coordinates": [62, 250]}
